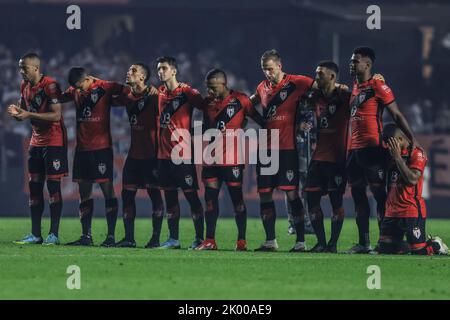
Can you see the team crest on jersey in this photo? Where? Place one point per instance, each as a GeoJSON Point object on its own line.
{"type": "Point", "coordinates": [56, 164]}
{"type": "Point", "coordinates": [94, 97]}
{"type": "Point", "coordinates": [236, 172]}
{"type": "Point", "coordinates": [189, 180]}
{"type": "Point", "coordinates": [394, 177]}
{"type": "Point", "coordinates": [362, 97]}
{"type": "Point", "coordinates": [141, 104]}
{"type": "Point", "coordinates": [133, 119]}
{"type": "Point", "coordinates": [175, 104]}
{"type": "Point", "coordinates": [332, 109]}
{"type": "Point", "coordinates": [102, 168]}
{"type": "Point", "coordinates": [416, 232]}
{"type": "Point", "coordinates": [230, 111]}
{"type": "Point", "coordinates": [338, 180]}
{"type": "Point", "coordinates": [283, 95]}
{"type": "Point", "coordinates": [38, 99]}
{"type": "Point", "coordinates": [381, 174]}
{"type": "Point", "coordinates": [290, 175]}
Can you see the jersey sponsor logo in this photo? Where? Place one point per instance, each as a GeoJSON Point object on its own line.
{"type": "Point", "coordinates": [87, 112]}
{"type": "Point", "coordinates": [189, 180]}
{"type": "Point", "coordinates": [290, 175]}
{"type": "Point", "coordinates": [270, 111]}
{"type": "Point", "coordinates": [133, 120]}
{"type": "Point", "coordinates": [236, 172]}
{"type": "Point", "coordinates": [332, 109]}
{"type": "Point", "coordinates": [102, 168]}
{"type": "Point", "coordinates": [170, 108]}
{"type": "Point", "coordinates": [394, 177]}
{"type": "Point", "coordinates": [381, 174]}
{"type": "Point", "coordinates": [323, 122]}
{"type": "Point", "coordinates": [416, 232]}
{"type": "Point", "coordinates": [56, 164]}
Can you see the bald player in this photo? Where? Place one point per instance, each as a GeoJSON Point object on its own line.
{"type": "Point", "coordinates": [47, 162]}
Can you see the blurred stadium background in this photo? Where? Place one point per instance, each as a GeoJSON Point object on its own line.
{"type": "Point", "coordinates": [413, 50]}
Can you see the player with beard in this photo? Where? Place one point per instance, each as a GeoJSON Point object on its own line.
{"type": "Point", "coordinates": [326, 172]}
{"type": "Point", "coordinates": [367, 157]}
{"type": "Point", "coordinates": [279, 96]}
{"type": "Point", "coordinates": [226, 110]}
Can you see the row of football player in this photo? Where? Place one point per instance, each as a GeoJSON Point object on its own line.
{"type": "Point", "coordinates": [156, 113]}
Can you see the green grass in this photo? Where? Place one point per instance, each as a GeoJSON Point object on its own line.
{"type": "Point", "coordinates": [38, 272]}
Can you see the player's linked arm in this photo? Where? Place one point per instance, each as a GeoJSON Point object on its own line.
{"type": "Point", "coordinates": [401, 121]}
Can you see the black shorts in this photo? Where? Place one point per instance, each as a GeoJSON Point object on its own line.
{"type": "Point", "coordinates": [140, 173]}
{"type": "Point", "coordinates": [231, 175]}
{"type": "Point", "coordinates": [396, 228]}
{"type": "Point", "coordinates": [287, 176]}
{"type": "Point", "coordinates": [367, 166]}
{"type": "Point", "coordinates": [326, 176]}
{"type": "Point", "coordinates": [173, 176]}
{"type": "Point", "coordinates": [93, 166]}
{"type": "Point", "coordinates": [48, 162]}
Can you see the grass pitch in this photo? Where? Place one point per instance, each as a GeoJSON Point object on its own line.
{"type": "Point", "coordinates": [39, 272]}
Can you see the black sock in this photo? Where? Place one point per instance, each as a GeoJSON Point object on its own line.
{"type": "Point", "coordinates": [268, 216]}
{"type": "Point", "coordinates": [240, 211]}
{"type": "Point", "coordinates": [36, 204]}
{"type": "Point", "coordinates": [86, 212]}
{"type": "Point", "coordinates": [212, 211]}
{"type": "Point", "coordinates": [111, 208]}
{"type": "Point", "coordinates": [129, 212]}
{"type": "Point", "coordinates": [379, 193]}
{"type": "Point", "coordinates": [158, 212]}
{"type": "Point", "coordinates": [196, 213]}
{"type": "Point", "coordinates": [337, 219]}
{"type": "Point", "coordinates": [298, 216]}
{"type": "Point", "coordinates": [55, 201]}
{"type": "Point", "coordinates": [362, 209]}
{"type": "Point", "coordinates": [316, 215]}
{"type": "Point", "coordinates": [173, 212]}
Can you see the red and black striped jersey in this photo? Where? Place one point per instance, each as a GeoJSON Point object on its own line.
{"type": "Point", "coordinates": [93, 113]}
{"type": "Point", "coordinates": [142, 112]}
{"type": "Point", "coordinates": [38, 99]}
{"type": "Point", "coordinates": [174, 117]}
{"type": "Point", "coordinates": [228, 115]}
{"type": "Point", "coordinates": [366, 116]}
{"type": "Point", "coordinates": [279, 104]}
{"type": "Point", "coordinates": [332, 116]}
{"type": "Point", "coordinates": [403, 200]}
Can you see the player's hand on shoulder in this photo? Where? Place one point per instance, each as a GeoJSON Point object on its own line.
{"type": "Point", "coordinates": [183, 85]}
{"type": "Point", "coordinates": [342, 87]}
{"type": "Point", "coordinates": [153, 90]}
{"type": "Point", "coordinates": [378, 76]}
{"type": "Point", "coordinates": [305, 126]}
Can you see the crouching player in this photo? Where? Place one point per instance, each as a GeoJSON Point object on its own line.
{"type": "Point", "coordinates": [405, 207]}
